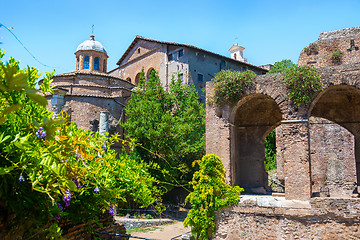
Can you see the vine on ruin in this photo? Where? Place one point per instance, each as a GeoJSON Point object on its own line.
{"type": "Point", "coordinates": [312, 49]}
{"type": "Point", "coordinates": [230, 86]}
{"type": "Point", "coordinates": [336, 56]}
{"type": "Point", "coordinates": [210, 194]}
{"type": "Point", "coordinates": [302, 83]}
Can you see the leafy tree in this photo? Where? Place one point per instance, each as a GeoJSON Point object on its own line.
{"type": "Point", "coordinates": [50, 170]}
{"type": "Point", "coordinates": [210, 194]}
{"type": "Point", "coordinates": [280, 67]}
{"type": "Point", "coordinates": [168, 128]}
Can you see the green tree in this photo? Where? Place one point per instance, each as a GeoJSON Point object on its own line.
{"type": "Point", "coordinates": [280, 67]}
{"type": "Point", "coordinates": [210, 194]}
{"type": "Point", "coordinates": [168, 128]}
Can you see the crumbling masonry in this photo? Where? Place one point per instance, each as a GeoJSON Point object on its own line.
{"type": "Point", "coordinates": [317, 152]}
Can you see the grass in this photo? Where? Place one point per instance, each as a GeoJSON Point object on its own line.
{"type": "Point", "coordinates": [146, 229]}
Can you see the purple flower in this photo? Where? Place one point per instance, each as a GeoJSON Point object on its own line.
{"type": "Point", "coordinates": [111, 210]}
{"type": "Point", "coordinates": [75, 180]}
{"type": "Point", "coordinates": [41, 134]}
{"type": "Point", "coordinates": [60, 207]}
{"type": "Point", "coordinates": [21, 178]}
{"type": "Point", "coordinates": [96, 190]}
{"type": "Point", "coordinates": [104, 147]}
{"type": "Point", "coordinates": [57, 216]}
{"type": "Point", "coordinates": [67, 198]}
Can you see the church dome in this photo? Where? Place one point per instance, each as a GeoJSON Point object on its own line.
{"type": "Point", "coordinates": [91, 45]}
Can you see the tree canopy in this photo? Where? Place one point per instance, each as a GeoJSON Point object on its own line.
{"type": "Point", "coordinates": [168, 127]}
{"type": "Point", "coordinates": [280, 67]}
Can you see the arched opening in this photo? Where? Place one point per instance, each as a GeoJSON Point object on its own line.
{"type": "Point", "coordinates": [149, 71]}
{"type": "Point", "coordinates": [254, 117]}
{"type": "Point", "coordinates": [334, 118]}
{"type": "Point", "coordinates": [137, 78]}
{"type": "Point", "coordinates": [96, 64]}
{"type": "Point", "coordinates": [86, 62]}
{"type": "Point", "coordinates": [128, 79]}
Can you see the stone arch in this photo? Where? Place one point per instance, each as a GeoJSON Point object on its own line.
{"type": "Point", "coordinates": [334, 128]}
{"type": "Point", "coordinates": [149, 72]}
{"type": "Point", "coordinates": [137, 78]}
{"type": "Point", "coordinates": [253, 118]}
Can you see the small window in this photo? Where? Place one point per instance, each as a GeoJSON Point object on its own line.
{"type": "Point", "coordinates": [97, 64]}
{"type": "Point", "coordinates": [222, 65]}
{"type": "Point", "coordinates": [235, 56]}
{"type": "Point", "coordinates": [86, 62]}
{"type": "Point", "coordinates": [181, 76]}
{"type": "Point", "coordinates": [181, 53]}
{"type": "Point", "coordinates": [138, 50]}
{"type": "Point", "coordinates": [170, 57]}
{"type": "Point", "coordinates": [104, 66]}
{"type": "Point", "coordinates": [200, 78]}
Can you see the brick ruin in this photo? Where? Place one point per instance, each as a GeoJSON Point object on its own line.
{"type": "Point", "coordinates": [317, 152]}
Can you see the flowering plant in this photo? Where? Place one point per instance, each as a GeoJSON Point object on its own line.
{"type": "Point", "coordinates": [51, 170]}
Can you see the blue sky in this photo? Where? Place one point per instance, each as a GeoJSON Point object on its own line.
{"type": "Point", "coordinates": [269, 30]}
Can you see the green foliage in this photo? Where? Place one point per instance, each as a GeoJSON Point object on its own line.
{"type": "Point", "coordinates": [270, 151]}
{"type": "Point", "coordinates": [51, 170]}
{"type": "Point", "coordinates": [302, 83]}
{"type": "Point", "coordinates": [210, 194]}
{"type": "Point", "coordinates": [312, 49]}
{"type": "Point", "coordinates": [336, 56]}
{"type": "Point", "coordinates": [230, 86]}
{"type": "Point", "coordinates": [280, 67]}
{"type": "Point", "coordinates": [168, 128]}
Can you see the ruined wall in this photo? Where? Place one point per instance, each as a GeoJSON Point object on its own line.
{"type": "Point", "coordinates": [276, 218]}
{"type": "Point", "coordinates": [345, 40]}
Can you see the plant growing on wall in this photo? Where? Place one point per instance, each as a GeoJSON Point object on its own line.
{"type": "Point", "coordinates": [312, 49]}
{"type": "Point", "coordinates": [302, 83]}
{"type": "Point", "coordinates": [210, 194]}
{"type": "Point", "coordinates": [280, 67]}
{"type": "Point", "coordinates": [230, 86]}
{"type": "Point", "coordinates": [336, 56]}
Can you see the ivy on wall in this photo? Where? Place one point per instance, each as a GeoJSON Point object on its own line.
{"type": "Point", "coordinates": [302, 83]}
{"type": "Point", "coordinates": [230, 86]}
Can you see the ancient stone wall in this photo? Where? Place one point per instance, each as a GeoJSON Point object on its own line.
{"type": "Point", "coordinates": [317, 155]}
{"type": "Point", "coordinates": [261, 217]}
{"type": "Point", "coordinates": [319, 53]}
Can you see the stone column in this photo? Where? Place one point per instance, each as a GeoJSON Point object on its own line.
{"type": "Point", "coordinates": [81, 65]}
{"type": "Point", "coordinates": [91, 63]}
{"type": "Point", "coordinates": [296, 159]}
{"type": "Point", "coordinates": [104, 122]}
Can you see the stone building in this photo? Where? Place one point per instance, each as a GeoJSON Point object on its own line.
{"type": "Point", "coordinates": [89, 95]}
{"type": "Point", "coordinates": [196, 66]}
{"type": "Point", "coordinates": [317, 153]}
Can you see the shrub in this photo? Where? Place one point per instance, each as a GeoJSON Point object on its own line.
{"type": "Point", "coordinates": [50, 170]}
{"type": "Point", "coordinates": [230, 86]}
{"type": "Point", "coordinates": [336, 56]}
{"type": "Point", "coordinates": [302, 83]}
{"type": "Point", "coordinates": [210, 194]}
{"type": "Point", "coordinates": [312, 49]}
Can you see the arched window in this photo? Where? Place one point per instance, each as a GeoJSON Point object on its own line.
{"type": "Point", "coordinates": [97, 64]}
{"type": "Point", "coordinates": [235, 56]}
{"type": "Point", "coordinates": [86, 62]}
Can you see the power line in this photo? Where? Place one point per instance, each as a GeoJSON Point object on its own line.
{"type": "Point", "coordinates": [2, 25]}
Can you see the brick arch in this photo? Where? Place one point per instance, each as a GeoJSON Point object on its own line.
{"type": "Point", "coordinates": [136, 79]}
{"type": "Point", "coordinates": [334, 126]}
{"type": "Point", "coordinates": [149, 72]}
{"type": "Point", "coordinates": [254, 116]}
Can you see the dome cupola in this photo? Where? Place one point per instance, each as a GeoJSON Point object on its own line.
{"type": "Point", "coordinates": [91, 56]}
